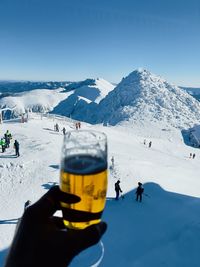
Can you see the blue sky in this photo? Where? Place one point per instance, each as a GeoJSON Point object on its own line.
{"type": "Point", "coordinates": [79, 39]}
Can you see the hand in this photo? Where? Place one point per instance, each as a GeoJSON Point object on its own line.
{"type": "Point", "coordinates": [41, 239]}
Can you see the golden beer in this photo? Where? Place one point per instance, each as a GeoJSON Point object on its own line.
{"type": "Point", "coordinates": [85, 176]}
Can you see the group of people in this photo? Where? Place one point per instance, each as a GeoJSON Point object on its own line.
{"type": "Point", "coordinates": [192, 156]}
{"type": "Point", "coordinates": [149, 144]}
{"type": "Point", "coordinates": [56, 127]}
{"type": "Point", "coordinates": [139, 191]}
{"type": "Point", "coordinates": [78, 125]}
{"type": "Point", "coordinates": [5, 143]}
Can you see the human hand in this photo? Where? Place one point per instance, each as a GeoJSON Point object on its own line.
{"type": "Point", "coordinates": [41, 239]}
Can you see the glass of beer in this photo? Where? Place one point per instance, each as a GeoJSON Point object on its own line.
{"type": "Point", "coordinates": [83, 173]}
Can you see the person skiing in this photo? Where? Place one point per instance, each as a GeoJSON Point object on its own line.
{"type": "Point", "coordinates": [193, 156]}
{"type": "Point", "coordinates": [150, 143]}
{"type": "Point", "coordinates": [16, 147]}
{"type": "Point", "coordinates": [57, 127]}
{"type": "Point", "coordinates": [64, 130]}
{"type": "Point", "coordinates": [8, 137]}
{"type": "Point", "coordinates": [117, 189]}
{"type": "Point", "coordinates": [139, 192]}
{"type": "Point", "coordinates": [7, 140]}
{"type": "Point", "coordinates": [112, 162]}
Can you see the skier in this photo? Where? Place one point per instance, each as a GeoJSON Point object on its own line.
{"type": "Point", "coordinates": [8, 137]}
{"type": "Point", "coordinates": [112, 161]}
{"type": "Point", "coordinates": [139, 192]}
{"type": "Point", "coordinates": [144, 141]}
{"type": "Point", "coordinates": [117, 189]}
{"type": "Point", "coordinates": [7, 140]}
{"type": "Point", "coordinates": [57, 127]}
{"type": "Point", "coordinates": [190, 155]}
{"type": "Point", "coordinates": [150, 143]}
{"type": "Point", "coordinates": [16, 147]}
{"type": "Point", "coordinates": [193, 156]}
{"type": "Point", "coordinates": [64, 130]}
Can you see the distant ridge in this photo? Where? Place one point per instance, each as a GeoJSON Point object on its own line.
{"type": "Point", "coordinates": [141, 97]}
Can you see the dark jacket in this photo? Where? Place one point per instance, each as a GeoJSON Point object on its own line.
{"type": "Point", "coordinates": [16, 144]}
{"type": "Point", "coordinates": [140, 190]}
{"type": "Point", "coordinates": [117, 187]}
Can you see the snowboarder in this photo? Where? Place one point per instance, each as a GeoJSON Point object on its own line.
{"type": "Point", "coordinates": [150, 143]}
{"type": "Point", "coordinates": [139, 192]}
{"type": "Point", "coordinates": [117, 189]}
{"type": "Point", "coordinates": [193, 156]}
{"type": "Point", "coordinates": [16, 147]}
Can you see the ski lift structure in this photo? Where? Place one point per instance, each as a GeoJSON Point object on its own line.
{"type": "Point", "coordinates": [1, 113]}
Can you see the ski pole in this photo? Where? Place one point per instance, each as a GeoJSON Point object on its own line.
{"type": "Point", "coordinates": [122, 196]}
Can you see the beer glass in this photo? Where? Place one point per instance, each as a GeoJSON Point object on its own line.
{"type": "Point", "coordinates": [83, 173]}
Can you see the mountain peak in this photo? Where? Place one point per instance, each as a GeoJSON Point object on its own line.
{"type": "Point", "coordinates": [144, 96]}
{"type": "Point", "coordinates": [142, 74]}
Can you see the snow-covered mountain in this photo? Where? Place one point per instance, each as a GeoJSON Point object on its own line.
{"type": "Point", "coordinates": [141, 97]}
{"type": "Point", "coordinates": [83, 94]}
{"type": "Point", "coordinates": [64, 99]}
{"type": "Point", "coordinates": [145, 97]}
{"type": "Point", "coordinates": [40, 100]}
{"type": "Point", "coordinates": [22, 86]}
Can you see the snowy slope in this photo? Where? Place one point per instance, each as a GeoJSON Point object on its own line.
{"type": "Point", "coordinates": [143, 97]}
{"type": "Point", "coordinates": [163, 230]}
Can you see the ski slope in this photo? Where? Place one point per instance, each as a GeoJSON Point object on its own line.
{"type": "Point", "coordinates": [163, 230]}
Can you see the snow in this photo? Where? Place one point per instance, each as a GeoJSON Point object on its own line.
{"type": "Point", "coordinates": [42, 100]}
{"type": "Point", "coordinates": [163, 230]}
{"type": "Point", "coordinates": [143, 96]}
{"type": "Point", "coordinates": [104, 87]}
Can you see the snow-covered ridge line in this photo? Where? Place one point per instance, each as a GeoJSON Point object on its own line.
{"type": "Point", "coordinates": [141, 97]}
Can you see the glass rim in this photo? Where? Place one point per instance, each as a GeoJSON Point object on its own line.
{"type": "Point", "coordinates": [87, 131]}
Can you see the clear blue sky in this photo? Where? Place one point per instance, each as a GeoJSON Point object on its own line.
{"type": "Point", "coordinates": [79, 39]}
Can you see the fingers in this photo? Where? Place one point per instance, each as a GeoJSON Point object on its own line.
{"type": "Point", "coordinates": [49, 203]}
{"type": "Point", "coordinates": [87, 237]}
{"type": "Point", "coordinates": [58, 222]}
